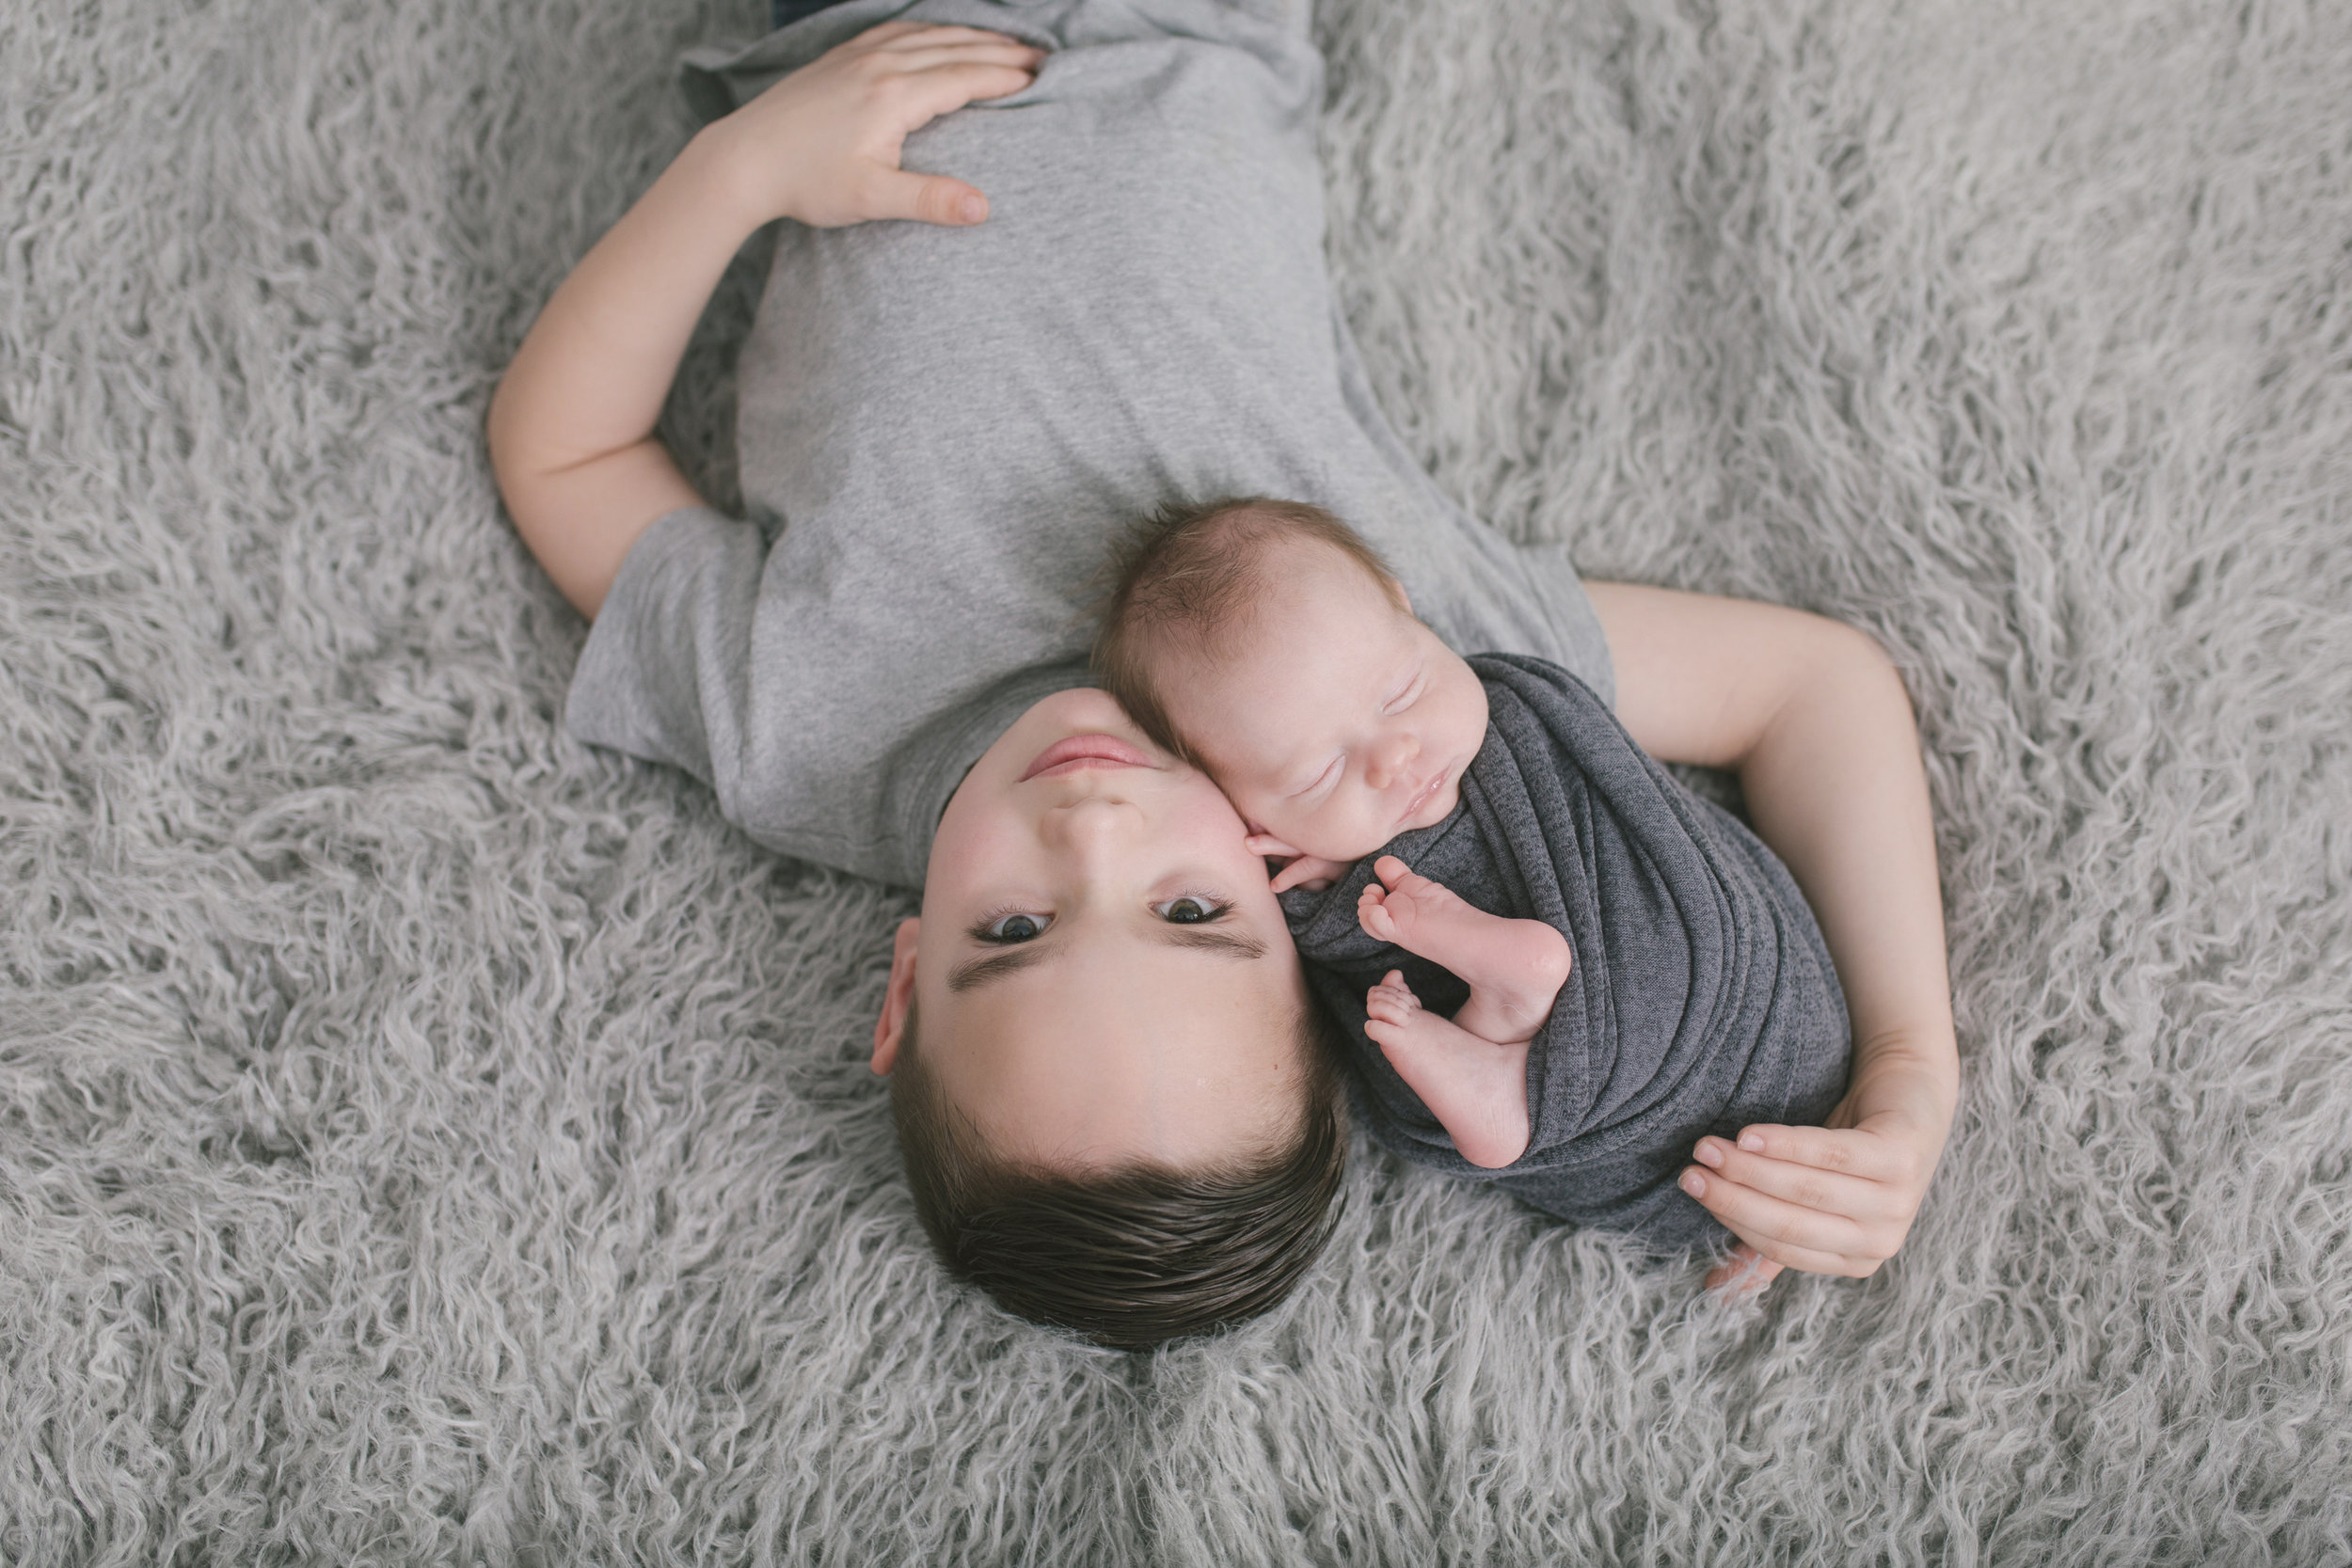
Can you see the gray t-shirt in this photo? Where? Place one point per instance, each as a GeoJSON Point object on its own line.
{"type": "Point", "coordinates": [941, 430]}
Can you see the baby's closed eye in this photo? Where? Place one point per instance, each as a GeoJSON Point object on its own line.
{"type": "Point", "coordinates": [1320, 782]}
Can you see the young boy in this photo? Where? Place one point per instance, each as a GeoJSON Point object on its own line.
{"type": "Point", "coordinates": [1262, 640]}
{"type": "Point", "coordinates": [1114, 1112]}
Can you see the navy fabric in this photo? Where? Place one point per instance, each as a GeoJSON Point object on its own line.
{"type": "Point", "coordinates": [1702, 998]}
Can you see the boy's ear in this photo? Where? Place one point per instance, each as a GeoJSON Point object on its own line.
{"type": "Point", "coordinates": [899, 998]}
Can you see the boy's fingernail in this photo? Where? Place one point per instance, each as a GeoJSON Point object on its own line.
{"type": "Point", "coordinates": [1710, 1156]}
{"type": "Point", "coordinates": [1752, 1143]}
{"type": "Point", "coordinates": [971, 209]}
{"type": "Point", "coordinates": [1693, 1183]}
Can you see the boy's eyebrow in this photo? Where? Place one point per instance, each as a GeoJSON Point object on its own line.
{"type": "Point", "coordinates": [1231, 944]}
{"type": "Point", "coordinates": [976, 972]}
{"type": "Point", "coordinates": [995, 966]}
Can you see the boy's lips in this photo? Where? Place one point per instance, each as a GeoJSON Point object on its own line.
{"type": "Point", "coordinates": [1075, 753]}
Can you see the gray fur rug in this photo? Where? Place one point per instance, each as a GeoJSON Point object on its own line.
{"type": "Point", "coordinates": [424, 1140]}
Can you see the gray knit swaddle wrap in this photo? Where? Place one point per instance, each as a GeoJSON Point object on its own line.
{"type": "Point", "coordinates": [1701, 1000]}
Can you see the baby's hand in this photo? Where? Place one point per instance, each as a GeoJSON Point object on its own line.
{"type": "Point", "coordinates": [1308, 871]}
{"type": "Point", "coordinates": [1392, 1001]}
{"type": "Point", "coordinates": [822, 145]}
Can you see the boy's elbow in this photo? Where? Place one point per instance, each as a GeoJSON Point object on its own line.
{"type": "Point", "coordinates": [518, 460]}
{"type": "Point", "coordinates": [1854, 663]}
{"type": "Point", "coordinates": [502, 432]}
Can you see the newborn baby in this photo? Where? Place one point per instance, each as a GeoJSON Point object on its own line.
{"type": "Point", "coordinates": [1571, 966]}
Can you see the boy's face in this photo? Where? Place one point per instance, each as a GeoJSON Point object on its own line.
{"type": "Point", "coordinates": [1103, 972]}
{"type": "Point", "coordinates": [1333, 719]}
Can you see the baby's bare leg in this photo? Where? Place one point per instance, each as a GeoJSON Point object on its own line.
{"type": "Point", "coordinates": [1475, 1089]}
{"type": "Point", "coordinates": [1514, 968]}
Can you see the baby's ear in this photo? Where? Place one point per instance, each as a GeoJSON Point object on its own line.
{"type": "Point", "coordinates": [1260, 842]}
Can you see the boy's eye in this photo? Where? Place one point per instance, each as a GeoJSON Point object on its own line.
{"type": "Point", "coordinates": [1189, 910]}
{"type": "Point", "coordinates": [1011, 928]}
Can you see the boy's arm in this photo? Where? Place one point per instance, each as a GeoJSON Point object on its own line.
{"type": "Point", "coordinates": [571, 427]}
{"type": "Point", "coordinates": [1813, 715]}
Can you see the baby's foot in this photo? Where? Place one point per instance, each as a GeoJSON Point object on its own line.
{"type": "Point", "coordinates": [1475, 1089]}
{"type": "Point", "coordinates": [1514, 968]}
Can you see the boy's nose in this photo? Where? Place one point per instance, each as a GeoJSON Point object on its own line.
{"type": "Point", "coordinates": [1091, 826]}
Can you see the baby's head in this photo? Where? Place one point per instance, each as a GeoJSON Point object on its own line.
{"type": "Point", "coordinates": [1117, 1104]}
{"type": "Point", "coordinates": [1266, 643]}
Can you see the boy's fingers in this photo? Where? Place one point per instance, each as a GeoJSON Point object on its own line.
{"type": "Point", "coordinates": [1807, 1186]}
{"type": "Point", "coordinates": [923, 96]}
{"type": "Point", "coordinates": [899, 36]}
{"type": "Point", "coordinates": [1759, 1218]}
{"type": "Point", "coordinates": [1805, 1259]}
{"type": "Point", "coordinates": [1847, 1151]}
{"type": "Point", "coordinates": [924, 198]}
{"type": "Point", "coordinates": [996, 51]}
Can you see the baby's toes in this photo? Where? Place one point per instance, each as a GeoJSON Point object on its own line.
{"type": "Point", "coordinates": [1402, 880]}
{"type": "Point", "coordinates": [1426, 895]}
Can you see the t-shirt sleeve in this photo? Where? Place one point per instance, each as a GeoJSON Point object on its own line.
{"type": "Point", "coordinates": [666, 672]}
{"type": "Point", "coordinates": [1575, 641]}
{"type": "Point", "coordinates": [1476, 589]}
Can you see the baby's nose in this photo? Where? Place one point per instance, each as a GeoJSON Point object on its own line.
{"type": "Point", "coordinates": [1390, 759]}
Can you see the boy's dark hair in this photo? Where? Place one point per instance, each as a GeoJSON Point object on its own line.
{"type": "Point", "coordinates": [1133, 1258]}
{"type": "Point", "coordinates": [1194, 573]}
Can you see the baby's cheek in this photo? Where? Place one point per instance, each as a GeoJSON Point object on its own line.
{"type": "Point", "coordinates": [1338, 830]}
{"type": "Point", "coordinates": [1267, 816]}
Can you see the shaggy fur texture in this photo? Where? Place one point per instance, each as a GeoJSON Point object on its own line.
{"type": "Point", "coordinates": [423, 1140]}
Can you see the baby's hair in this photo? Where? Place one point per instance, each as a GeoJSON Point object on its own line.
{"type": "Point", "coordinates": [1192, 577]}
{"type": "Point", "coordinates": [1133, 1258]}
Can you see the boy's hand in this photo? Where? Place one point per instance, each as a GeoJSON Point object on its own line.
{"type": "Point", "coordinates": [822, 145]}
{"type": "Point", "coordinates": [1297, 870]}
{"type": "Point", "coordinates": [1834, 1199]}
